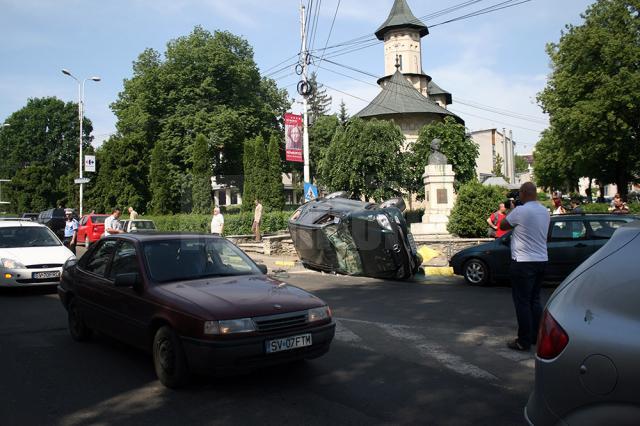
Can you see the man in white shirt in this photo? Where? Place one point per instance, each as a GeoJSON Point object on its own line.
{"type": "Point", "coordinates": [217, 222]}
{"type": "Point", "coordinates": [112, 225]}
{"type": "Point", "coordinates": [530, 224]}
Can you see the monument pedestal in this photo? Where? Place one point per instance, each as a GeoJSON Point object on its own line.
{"type": "Point", "coordinates": [439, 199]}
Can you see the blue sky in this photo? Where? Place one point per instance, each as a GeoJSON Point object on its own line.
{"type": "Point", "coordinates": [496, 60]}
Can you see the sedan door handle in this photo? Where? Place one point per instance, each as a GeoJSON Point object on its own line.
{"type": "Point", "coordinates": [580, 245]}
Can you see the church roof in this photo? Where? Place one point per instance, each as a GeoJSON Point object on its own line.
{"type": "Point", "coordinates": [401, 17]}
{"type": "Point", "coordinates": [434, 89]}
{"type": "Point", "coordinates": [398, 96]}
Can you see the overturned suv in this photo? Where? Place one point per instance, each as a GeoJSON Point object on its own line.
{"type": "Point", "coordinates": [351, 237]}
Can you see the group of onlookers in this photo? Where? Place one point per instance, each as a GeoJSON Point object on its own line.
{"type": "Point", "coordinates": [112, 225]}
{"type": "Point", "coordinates": [217, 221]}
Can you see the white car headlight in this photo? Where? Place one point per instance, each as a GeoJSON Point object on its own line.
{"type": "Point", "coordinates": [383, 221]}
{"type": "Point", "coordinates": [319, 314]}
{"type": "Point", "coordinates": [242, 325]}
{"type": "Point", "coordinates": [11, 264]}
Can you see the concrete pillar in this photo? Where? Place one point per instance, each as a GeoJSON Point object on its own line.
{"type": "Point", "coordinates": [216, 197]}
{"type": "Point", "coordinates": [227, 196]}
{"type": "Point", "coordinates": [239, 198]}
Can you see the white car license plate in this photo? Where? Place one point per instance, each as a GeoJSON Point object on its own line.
{"type": "Point", "coordinates": [288, 343]}
{"type": "Point", "coordinates": [43, 275]}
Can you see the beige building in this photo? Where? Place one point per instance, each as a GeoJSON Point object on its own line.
{"type": "Point", "coordinates": [494, 144]}
{"type": "Point", "coordinates": [409, 97]}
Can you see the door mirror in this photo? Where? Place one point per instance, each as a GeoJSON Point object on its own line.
{"type": "Point", "coordinates": [263, 268]}
{"type": "Point", "coordinates": [126, 280]}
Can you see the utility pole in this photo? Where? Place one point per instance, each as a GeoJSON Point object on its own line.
{"type": "Point", "coordinates": [304, 90]}
{"type": "Point", "coordinates": [513, 157]}
{"type": "Point", "coordinates": [505, 150]}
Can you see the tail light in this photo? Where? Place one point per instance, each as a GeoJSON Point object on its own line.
{"type": "Point", "coordinates": [552, 339]}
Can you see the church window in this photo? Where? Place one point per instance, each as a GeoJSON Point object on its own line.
{"type": "Point", "coordinates": [400, 61]}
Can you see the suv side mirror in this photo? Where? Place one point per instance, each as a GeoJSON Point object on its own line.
{"type": "Point", "coordinates": [127, 280]}
{"type": "Point", "coordinates": [262, 267]}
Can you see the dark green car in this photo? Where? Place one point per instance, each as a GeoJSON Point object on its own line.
{"type": "Point", "coordinates": [570, 241]}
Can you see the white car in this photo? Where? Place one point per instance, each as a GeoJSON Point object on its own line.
{"type": "Point", "coordinates": [30, 254]}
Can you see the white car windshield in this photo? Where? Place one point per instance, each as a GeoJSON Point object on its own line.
{"type": "Point", "coordinates": [193, 258]}
{"type": "Point", "coordinates": [27, 236]}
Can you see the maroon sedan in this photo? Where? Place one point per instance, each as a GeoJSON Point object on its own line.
{"type": "Point", "coordinates": [197, 302]}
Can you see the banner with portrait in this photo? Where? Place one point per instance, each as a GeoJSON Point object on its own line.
{"type": "Point", "coordinates": [293, 137]}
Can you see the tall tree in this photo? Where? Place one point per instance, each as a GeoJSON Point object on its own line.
{"type": "Point", "coordinates": [160, 180]}
{"type": "Point", "coordinates": [497, 166]}
{"type": "Point", "coordinates": [201, 172]}
{"type": "Point", "coordinates": [365, 159]}
{"type": "Point", "coordinates": [459, 148]}
{"type": "Point", "coordinates": [319, 101]}
{"type": "Point", "coordinates": [554, 166]}
{"type": "Point", "coordinates": [33, 189]}
{"type": "Point", "coordinates": [320, 136]}
{"type": "Point", "coordinates": [343, 116]}
{"type": "Point", "coordinates": [520, 164]}
{"type": "Point", "coordinates": [249, 189]}
{"type": "Point", "coordinates": [593, 93]}
{"type": "Point", "coordinates": [205, 84]}
{"type": "Point", "coordinates": [274, 197]}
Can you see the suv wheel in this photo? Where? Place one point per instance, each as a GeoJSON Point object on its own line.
{"type": "Point", "coordinates": [168, 358]}
{"type": "Point", "coordinates": [476, 272]}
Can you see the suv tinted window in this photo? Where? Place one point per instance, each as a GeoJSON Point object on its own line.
{"type": "Point", "coordinates": [604, 228]}
{"type": "Point", "coordinates": [125, 260]}
{"type": "Point", "coordinates": [99, 259]}
{"type": "Point", "coordinates": [568, 230]}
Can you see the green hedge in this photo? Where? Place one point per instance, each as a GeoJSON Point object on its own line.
{"type": "Point", "coordinates": [474, 204]}
{"type": "Point", "coordinates": [634, 208]}
{"type": "Point", "coordinates": [234, 224]}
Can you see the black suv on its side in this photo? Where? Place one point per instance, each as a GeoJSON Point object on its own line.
{"type": "Point", "coordinates": [55, 220]}
{"type": "Point", "coordinates": [571, 239]}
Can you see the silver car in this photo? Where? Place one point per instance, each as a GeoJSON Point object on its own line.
{"type": "Point", "coordinates": [588, 354]}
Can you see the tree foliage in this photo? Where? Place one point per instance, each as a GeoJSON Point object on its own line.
{"type": "Point", "coordinates": [205, 84]}
{"type": "Point", "coordinates": [201, 172]}
{"type": "Point", "coordinates": [474, 203]}
{"type": "Point", "coordinates": [459, 148]}
{"type": "Point", "coordinates": [593, 93]}
{"type": "Point", "coordinates": [343, 115]}
{"type": "Point", "coordinates": [274, 196]}
{"type": "Point", "coordinates": [497, 166]}
{"type": "Point", "coordinates": [366, 159]}
{"type": "Point", "coordinates": [42, 140]}
{"type": "Point", "coordinates": [320, 135]}
{"type": "Point", "coordinates": [520, 164]}
{"type": "Point", "coordinates": [160, 180]}
{"type": "Point", "coordinates": [319, 101]}
{"type": "Point", "coordinates": [554, 166]}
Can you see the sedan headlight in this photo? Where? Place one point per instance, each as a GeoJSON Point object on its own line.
{"type": "Point", "coordinates": [319, 314]}
{"type": "Point", "coordinates": [11, 264]}
{"type": "Point", "coordinates": [242, 325]}
{"type": "Point", "coordinates": [383, 221]}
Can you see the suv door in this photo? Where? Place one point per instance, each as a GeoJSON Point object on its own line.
{"type": "Point", "coordinates": [567, 246]}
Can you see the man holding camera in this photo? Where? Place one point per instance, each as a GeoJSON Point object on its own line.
{"type": "Point", "coordinates": [530, 224]}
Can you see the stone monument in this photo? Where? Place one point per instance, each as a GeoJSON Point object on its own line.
{"type": "Point", "coordinates": [438, 180]}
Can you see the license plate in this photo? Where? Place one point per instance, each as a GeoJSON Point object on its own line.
{"type": "Point", "coordinates": [288, 343]}
{"type": "Point", "coordinates": [43, 275]}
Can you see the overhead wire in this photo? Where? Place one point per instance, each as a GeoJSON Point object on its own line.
{"type": "Point", "coordinates": [333, 21]}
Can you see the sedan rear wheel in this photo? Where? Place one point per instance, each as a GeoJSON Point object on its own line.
{"type": "Point", "coordinates": [476, 272]}
{"type": "Point", "coordinates": [77, 327]}
{"type": "Point", "coordinates": [168, 359]}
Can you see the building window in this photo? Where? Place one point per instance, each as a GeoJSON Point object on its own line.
{"type": "Point", "coordinates": [400, 61]}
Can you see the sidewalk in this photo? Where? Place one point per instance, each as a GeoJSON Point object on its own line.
{"type": "Point", "coordinates": [278, 262]}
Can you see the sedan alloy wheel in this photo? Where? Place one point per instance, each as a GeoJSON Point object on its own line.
{"type": "Point", "coordinates": [476, 272]}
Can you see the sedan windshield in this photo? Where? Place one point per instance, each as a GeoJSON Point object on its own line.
{"type": "Point", "coordinates": [193, 258]}
{"type": "Point", "coordinates": [27, 236]}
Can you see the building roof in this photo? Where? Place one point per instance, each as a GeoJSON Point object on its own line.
{"type": "Point", "coordinates": [398, 96]}
{"type": "Point", "coordinates": [434, 89]}
{"type": "Point", "coordinates": [401, 17]}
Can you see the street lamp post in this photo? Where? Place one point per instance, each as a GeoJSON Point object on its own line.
{"type": "Point", "coordinates": [81, 117]}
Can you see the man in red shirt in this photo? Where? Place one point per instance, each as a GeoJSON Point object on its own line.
{"type": "Point", "coordinates": [495, 219]}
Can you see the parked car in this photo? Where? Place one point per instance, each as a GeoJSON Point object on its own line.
{"type": "Point", "coordinates": [30, 254]}
{"type": "Point", "coordinates": [55, 220]}
{"type": "Point", "coordinates": [197, 302]}
{"type": "Point", "coordinates": [30, 216]}
{"type": "Point", "coordinates": [352, 237]}
{"type": "Point", "coordinates": [91, 228]}
{"type": "Point", "coordinates": [570, 241]}
{"type": "Point", "coordinates": [588, 347]}
{"type": "Point", "coordinates": [138, 225]}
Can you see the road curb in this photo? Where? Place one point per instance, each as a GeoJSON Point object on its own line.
{"type": "Point", "coordinates": [444, 271]}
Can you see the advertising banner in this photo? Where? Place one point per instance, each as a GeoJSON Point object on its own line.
{"type": "Point", "coordinates": [293, 137]}
{"type": "Point", "coordinates": [89, 163]}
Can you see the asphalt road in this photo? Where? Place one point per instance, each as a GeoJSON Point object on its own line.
{"type": "Point", "coordinates": [405, 353]}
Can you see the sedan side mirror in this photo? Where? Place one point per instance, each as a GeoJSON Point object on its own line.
{"type": "Point", "coordinates": [263, 268]}
{"type": "Point", "coordinates": [126, 280]}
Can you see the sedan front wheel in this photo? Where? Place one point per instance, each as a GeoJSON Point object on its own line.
{"type": "Point", "coordinates": [476, 272]}
{"type": "Point", "coordinates": [168, 359]}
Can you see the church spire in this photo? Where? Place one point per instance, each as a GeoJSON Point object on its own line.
{"type": "Point", "coordinates": [401, 17]}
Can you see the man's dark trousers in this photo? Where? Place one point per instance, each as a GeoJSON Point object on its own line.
{"type": "Point", "coordinates": [526, 281]}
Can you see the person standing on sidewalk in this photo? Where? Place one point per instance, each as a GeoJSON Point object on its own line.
{"type": "Point", "coordinates": [257, 219]}
{"type": "Point", "coordinates": [217, 222]}
{"type": "Point", "coordinates": [494, 221]}
{"type": "Point", "coordinates": [70, 231]}
{"type": "Point", "coordinates": [530, 224]}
